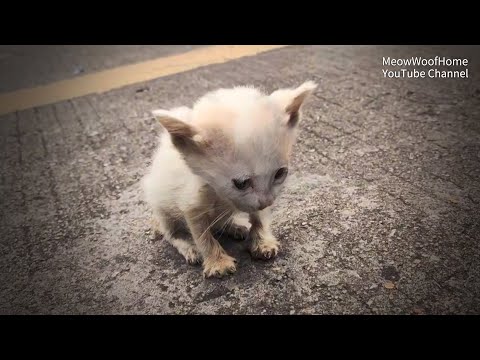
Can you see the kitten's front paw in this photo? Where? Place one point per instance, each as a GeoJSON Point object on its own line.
{"type": "Point", "coordinates": [239, 232]}
{"type": "Point", "coordinates": [219, 267]}
{"type": "Point", "coordinates": [192, 256]}
{"type": "Point", "coordinates": [265, 249]}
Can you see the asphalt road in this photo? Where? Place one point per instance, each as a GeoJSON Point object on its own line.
{"type": "Point", "coordinates": [380, 215]}
{"type": "Point", "coordinates": [24, 66]}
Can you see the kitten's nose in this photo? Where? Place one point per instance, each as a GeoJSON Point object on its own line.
{"type": "Point", "coordinates": [264, 203]}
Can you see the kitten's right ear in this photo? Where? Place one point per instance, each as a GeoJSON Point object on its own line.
{"type": "Point", "coordinates": [182, 113]}
{"type": "Point", "coordinates": [184, 136]}
{"type": "Point", "coordinates": [292, 100]}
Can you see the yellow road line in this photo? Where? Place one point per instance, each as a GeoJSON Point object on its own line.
{"type": "Point", "coordinates": [125, 75]}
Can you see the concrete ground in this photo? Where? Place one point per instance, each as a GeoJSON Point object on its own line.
{"type": "Point", "coordinates": [380, 215]}
{"type": "Point", "coordinates": [24, 66]}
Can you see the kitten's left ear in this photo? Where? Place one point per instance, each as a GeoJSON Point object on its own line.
{"type": "Point", "coordinates": [184, 137]}
{"type": "Point", "coordinates": [292, 100]}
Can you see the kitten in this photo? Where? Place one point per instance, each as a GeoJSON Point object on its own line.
{"type": "Point", "coordinates": [228, 154]}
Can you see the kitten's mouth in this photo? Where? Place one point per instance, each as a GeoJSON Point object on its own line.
{"type": "Point", "coordinates": [249, 210]}
{"type": "Point", "coordinates": [260, 208]}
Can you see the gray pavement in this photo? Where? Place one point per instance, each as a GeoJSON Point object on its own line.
{"type": "Point", "coordinates": [33, 65]}
{"type": "Point", "coordinates": [380, 215]}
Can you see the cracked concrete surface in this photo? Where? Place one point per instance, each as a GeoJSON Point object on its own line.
{"type": "Point", "coordinates": [380, 214]}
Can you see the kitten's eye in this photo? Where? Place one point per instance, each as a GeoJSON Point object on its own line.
{"type": "Point", "coordinates": [241, 184]}
{"type": "Point", "coordinates": [281, 174]}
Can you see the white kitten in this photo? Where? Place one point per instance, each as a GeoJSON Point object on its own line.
{"type": "Point", "coordinates": [228, 154]}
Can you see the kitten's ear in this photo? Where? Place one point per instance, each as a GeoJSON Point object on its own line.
{"type": "Point", "coordinates": [292, 100]}
{"type": "Point", "coordinates": [181, 113]}
{"type": "Point", "coordinates": [184, 136]}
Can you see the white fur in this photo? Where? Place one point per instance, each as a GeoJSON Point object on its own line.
{"type": "Point", "coordinates": [170, 184]}
{"type": "Point", "coordinates": [253, 138]}
{"type": "Point", "coordinates": [253, 117]}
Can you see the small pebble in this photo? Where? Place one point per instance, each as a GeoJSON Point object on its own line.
{"type": "Point", "coordinates": [389, 285]}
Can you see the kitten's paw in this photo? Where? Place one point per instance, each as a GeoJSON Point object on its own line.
{"type": "Point", "coordinates": [192, 256]}
{"type": "Point", "coordinates": [234, 231]}
{"type": "Point", "coordinates": [219, 267]}
{"type": "Point", "coordinates": [265, 249]}
{"type": "Point", "coordinates": [239, 232]}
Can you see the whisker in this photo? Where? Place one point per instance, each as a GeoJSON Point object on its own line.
{"type": "Point", "coordinates": [224, 227]}
{"type": "Point", "coordinates": [214, 222]}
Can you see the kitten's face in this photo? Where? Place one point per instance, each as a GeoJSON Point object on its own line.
{"type": "Point", "coordinates": [239, 142]}
{"type": "Point", "coordinates": [250, 187]}
{"type": "Point", "coordinates": [249, 174]}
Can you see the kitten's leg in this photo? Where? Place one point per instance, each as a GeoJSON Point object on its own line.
{"type": "Point", "coordinates": [171, 231]}
{"type": "Point", "coordinates": [216, 262]}
{"type": "Point", "coordinates": [263, 244]}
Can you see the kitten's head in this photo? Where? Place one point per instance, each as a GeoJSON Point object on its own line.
{"type": "Point", "coordinates": [239, 141]}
